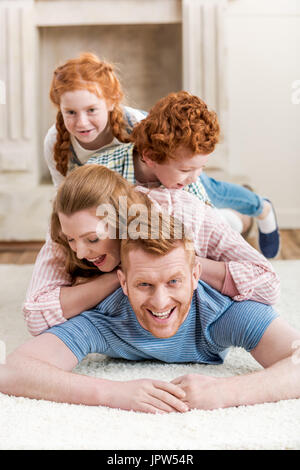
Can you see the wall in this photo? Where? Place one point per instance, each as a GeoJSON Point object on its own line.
{"type": "Point", "coordinates": [263, 40]}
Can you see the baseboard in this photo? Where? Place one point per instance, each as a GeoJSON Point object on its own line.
{"type": "Point", "coordinates": [20, 246]}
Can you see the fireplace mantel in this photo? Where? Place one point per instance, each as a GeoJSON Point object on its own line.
{"type": "Point", "coordinates": [94, 12]}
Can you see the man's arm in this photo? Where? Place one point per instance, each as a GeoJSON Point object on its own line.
{"type": "Point", "coordinates": [280, 380]}
{"type": "Point", "coordinates": [41, 369]}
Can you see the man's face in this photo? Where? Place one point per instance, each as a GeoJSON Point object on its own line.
{"type": "Point", "coordinates": [160, 288]}
{"type": "Point", "coordinates": [182, 169]}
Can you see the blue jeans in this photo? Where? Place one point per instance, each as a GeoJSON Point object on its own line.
{"type": "Point", "coordinates": [232, 196]}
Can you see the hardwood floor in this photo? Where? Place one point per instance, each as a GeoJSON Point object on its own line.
{"type": "Point", "coordinates": [26, 252]}
{"type": "Point", "coordinates": [289, 244]}
{"type": "Point", "coordinates": [19, 252]}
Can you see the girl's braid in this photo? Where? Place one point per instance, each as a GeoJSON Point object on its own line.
{"type": "Point", "coordinates": [118, 125]}
{"type": "Point", "coordinates": [62, 145]}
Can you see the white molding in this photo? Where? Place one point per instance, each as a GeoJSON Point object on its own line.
{"type": "Point", "coordinates": [17, 70]}
{"type": "Point", "coordinates": [16, 59]}
{"type": "Point", "coordinates": [204, 61]}
{"type": "Point", "coordinates": [103, 12]}
{"type": "Point", "coordinates": [28, 74]}
{"type": "Point", "coordinates": [192, 42]}
{"type": "Point", "coordinates": [14, 85]}
{"type": "Point", "coordinates": [204, 49]}
{"type": "Point", "coordinates": [3, 128]}
{"type": "Point", "coordinates": [15, 160]}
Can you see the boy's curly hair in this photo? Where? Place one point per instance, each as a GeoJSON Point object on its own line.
{"type": "Point", "coordinates": [177, 120]}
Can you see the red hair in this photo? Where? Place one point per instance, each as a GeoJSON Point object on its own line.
{"type": "Point", "coordinates": [87, 72]}
{"type": "Point", "coordinates": [178, 120]}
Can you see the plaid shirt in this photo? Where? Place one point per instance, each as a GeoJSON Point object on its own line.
{"type": "Point", "coordinates": [119, 158]}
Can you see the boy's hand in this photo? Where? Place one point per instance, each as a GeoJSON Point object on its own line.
{"type": "Point", "coordinates": [148, 396]}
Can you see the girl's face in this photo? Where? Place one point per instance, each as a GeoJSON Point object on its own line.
{"type": "Point", "coordinates": [85, 116]}
{"type": "Point", "coordinates": [81, 230]}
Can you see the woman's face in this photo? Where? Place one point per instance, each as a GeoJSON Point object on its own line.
{"type": "Point", "coordinates": [85, 116]}
{"type": "Point", "coordinates": [81, 230]}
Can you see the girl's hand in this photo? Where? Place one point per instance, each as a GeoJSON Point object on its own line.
{"type": "Point", "coordinates": [147, 396]}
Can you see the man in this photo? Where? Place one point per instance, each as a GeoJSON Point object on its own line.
{"type": "Point", "coordinates": [161, 312]}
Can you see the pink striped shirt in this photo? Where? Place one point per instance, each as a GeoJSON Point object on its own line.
{"type": "Point", "coordinates": [249, 275]}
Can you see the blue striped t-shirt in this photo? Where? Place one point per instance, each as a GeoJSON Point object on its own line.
{"type": "Point", "coordinates": [214, 323]}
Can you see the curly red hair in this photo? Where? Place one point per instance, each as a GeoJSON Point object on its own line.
{"type": "Point", "coordinates": [177, 120]}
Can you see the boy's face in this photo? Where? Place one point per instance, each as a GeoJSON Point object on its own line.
{"type": "Point", "coordinates": [182, 169]}
{"type": "Point", "coordinates": [160, 288]}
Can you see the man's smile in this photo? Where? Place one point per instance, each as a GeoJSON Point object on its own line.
{"type": "Point", "coordinates": [165, 315]}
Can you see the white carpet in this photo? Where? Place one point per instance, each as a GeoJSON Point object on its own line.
{"type": "Point", "coordinates": [32, 424]}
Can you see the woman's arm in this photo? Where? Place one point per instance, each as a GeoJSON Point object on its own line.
{"type": "Point", "coordinates": [77, 298]}
{"type": "Point", "coordinates": [213, 272]}
{"type": "Point", "coordinates": [51, 296]}
{"type": "Point", "coordinates": [252, 274]}
{"type": "Point", "coordinates": [42, 307]}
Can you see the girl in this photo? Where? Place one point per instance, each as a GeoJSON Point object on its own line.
{"type": "Point", "coordinates": [79, 254]}
{"type": "Point", "coordinates": [90, 117]}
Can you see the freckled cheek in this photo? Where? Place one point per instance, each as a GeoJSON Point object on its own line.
{"type": "Point", "coordinates": [68, 123]}
{"type": "Point", "coordinates": [99, 121]}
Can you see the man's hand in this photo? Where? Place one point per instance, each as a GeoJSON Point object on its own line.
{"type": "Point", "coordinates": [148, 396]}
{"type": "Point", "coordinates": [201, 391]}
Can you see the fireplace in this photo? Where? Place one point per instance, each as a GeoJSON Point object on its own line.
{"type": "Point", "coordinates": [158, 46]}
